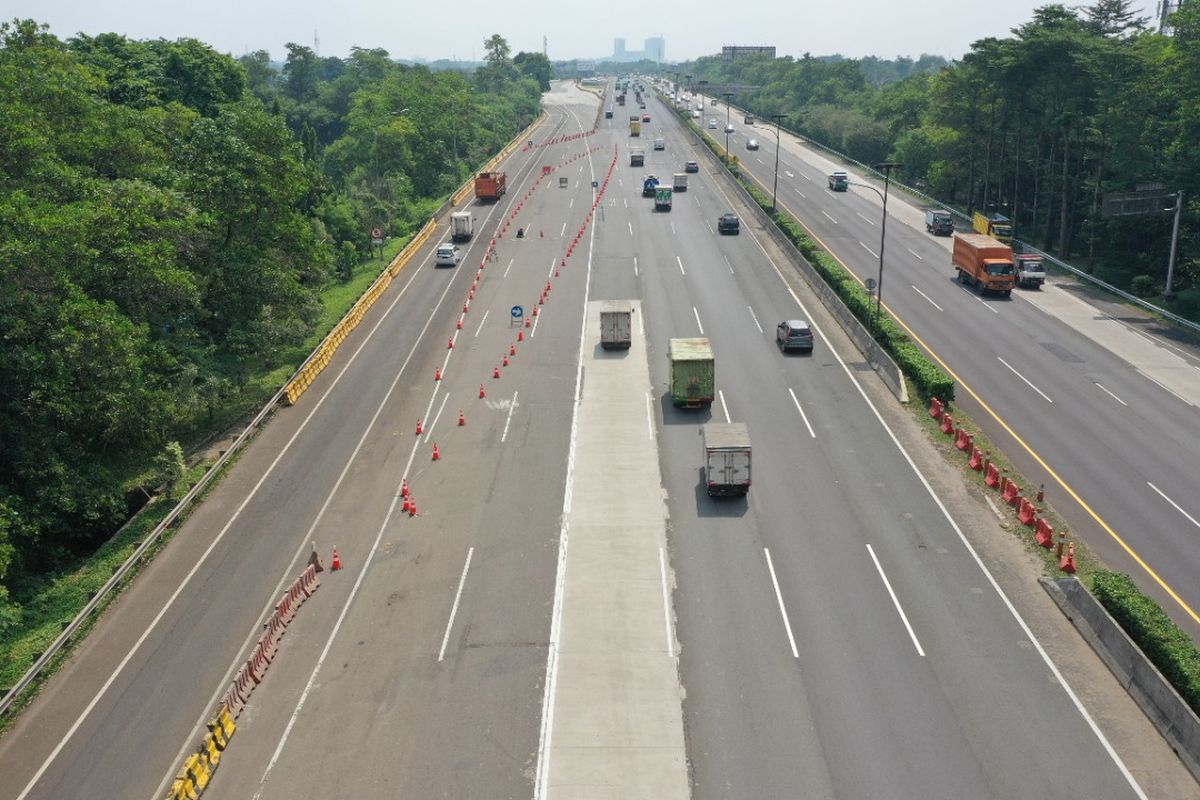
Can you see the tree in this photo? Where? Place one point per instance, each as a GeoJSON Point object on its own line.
{"type": "Point", "coordinates": [536, 66]}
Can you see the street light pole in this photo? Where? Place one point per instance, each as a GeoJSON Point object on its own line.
{"type": "Point", "coordinates": [887, 167]}
{"type": "Point", "coordinates": [775, 184]}
{"type": "Point", "coordinates": [727, 96]}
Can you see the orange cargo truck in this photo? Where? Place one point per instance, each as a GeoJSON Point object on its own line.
{"type": "Point", "coordinates": [490, 185]}
{"type": "Point", "coordinates": [984, 262]}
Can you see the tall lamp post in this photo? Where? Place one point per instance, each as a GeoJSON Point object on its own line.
{"type": "Point", "coordinates": [775, 184]}
{"type": "Point", "coordinates": [727, 96]}
{"type": "Point", "coordinates": [886, 167]}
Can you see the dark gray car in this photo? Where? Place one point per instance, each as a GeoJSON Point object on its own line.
{"type": "Point", "coordinates": [794, 334]}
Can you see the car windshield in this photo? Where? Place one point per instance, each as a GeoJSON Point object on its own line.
{"type": "Point", "coordinates": [1000, 269]}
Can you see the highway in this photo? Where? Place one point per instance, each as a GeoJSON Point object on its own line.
{"type": "Point", "coordinates": [1084, 397]}
{"type": "Point", "coordinates": [567, 614]}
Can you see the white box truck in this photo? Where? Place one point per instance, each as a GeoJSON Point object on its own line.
{"type": "Point", "coordinates": [726, 458]}
{"type": "Point", "coordinates": [679, 181]}
{"type": "Point", "coordinates": [462, 226]}
{"type": "Point", "coordinates": [616, 324]}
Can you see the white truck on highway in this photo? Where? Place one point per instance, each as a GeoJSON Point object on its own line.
{"type": "Point", "coordinates": [726, 458]}
{"type": "Point", "coordinates": [616, 325]}
{"type": "Point", "coordinates": [462, 226]}
{"type": "Point", "coordinates": [679, 181]}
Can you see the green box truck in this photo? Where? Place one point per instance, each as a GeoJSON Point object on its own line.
{"type": "Point", "coordinates": [693, 372]}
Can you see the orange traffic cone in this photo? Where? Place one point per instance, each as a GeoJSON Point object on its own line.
{"type": "Point", "coordinates": [505, 361]}
{"type": "Point", "coordinates": [462, 420]}
{"type": "Point", "coordinates": [527, 322]}
{"type": "Point", "coordinates": [436, 455]}
{"type": "Point", "coordinates": [412, 508]}
{"type": "Point", "coordinates": [458, 325]}
{"type": "Point", "coordinates": [404, 487]}
{"type": "Point", "coordinates": [451, 345]}
{"type": "Point", "coordinates": [407, 505]}
{"type": "Point", "coordinates": [512, 349]}
{"type": "Point", "coordinates": [337, 561]}
{"type": "Point", "coordinates": [1068, 562]}
{"type": "Point", "coordinates": [437, 374]}
{"type": "Point", "coordinates": [482, 392]}
{"type": "Point", "coordinates": [496, 372]}
{"type": "Point", "coordinates": [520, 335]}
{"type": "Point", "coordinates": [419, 429]}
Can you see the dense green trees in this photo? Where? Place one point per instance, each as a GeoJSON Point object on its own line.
{"type": "Point", "coordinates": [1076, 103]}
{"type": "Point", "coordinates": [168, 219]}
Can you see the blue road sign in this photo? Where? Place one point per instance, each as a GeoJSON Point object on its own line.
{"type": "Point", "coordinates": [518, 312]}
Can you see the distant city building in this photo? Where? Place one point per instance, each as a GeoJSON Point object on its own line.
{"type": "Point", "coordinates": [655, 50]}
{"type": "Point", "coordinates": [735, 51]}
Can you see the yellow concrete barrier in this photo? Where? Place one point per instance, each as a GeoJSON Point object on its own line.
{"type": "Point", "coordinates": [222, 727]}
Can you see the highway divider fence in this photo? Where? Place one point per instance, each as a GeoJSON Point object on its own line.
{"type": "Point", "coordinates": [198, 768]}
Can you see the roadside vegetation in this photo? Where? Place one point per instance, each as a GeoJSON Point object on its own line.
{"type": "Point", "coordinates": [178, 228]}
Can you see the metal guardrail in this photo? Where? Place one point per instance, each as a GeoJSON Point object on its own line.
{"type": "Point", "coordinates": [1025, 247]}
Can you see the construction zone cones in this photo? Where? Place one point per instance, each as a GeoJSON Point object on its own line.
{"type": "Point", "coordinates": [419, 429]}
{"type": "Point", "coordinates": [436, 455]}
{"type": "Point", "coordinates": [437, 374]}
{"type": "Point", "coordinates": [462, 419]}
{"type": "Point", "coordinates": [496, 371]}
{"type": "Point", "coordinates": [412, 508]}
{"type": "Point", "coordinates": [1067, 564]}
{"type": "Point", "coordinates": [404, 487]}
{"type": "Point", "coordinates": [482, 392]}
{"type": "Point", "coordinates": [406, 506]}
{"type": "Point", "coordinates": [451, 345]}
{"type": "Point", "coordinates": [512, 349]}
{"type": "Point", "coordinates": [337, 561]}
{"type": "Point", "coordinates": [458, 325]}
{"type": "Point", "coordinates": [505, 361]}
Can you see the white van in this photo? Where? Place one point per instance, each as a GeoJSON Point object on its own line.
{"type": "Point", "coordinates": [447, 255]}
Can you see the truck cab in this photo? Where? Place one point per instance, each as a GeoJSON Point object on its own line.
{"type": "Point", "coordinates": [1031, 270]}
{"type": "Point", "coordinates": [649, 184]}
{"type": "Point", "coordinates": [839, 181]}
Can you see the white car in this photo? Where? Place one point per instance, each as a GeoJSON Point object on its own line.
{"type": "Point", "coordinates": [712, 124]}
{"type": "Point", "coordinates": [729, 128]}
{"type": "Point", "coordinates": [447, 256]}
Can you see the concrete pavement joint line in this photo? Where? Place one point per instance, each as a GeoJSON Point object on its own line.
{"type": "Point", "coordinates": [540, 787]}
{"type": "Point", "coordinates": [662, 569]}
{"type": "Point", "coordinates": [698, 325]}
{"type": "Point", "coordinates": [927, 297]}
{"type": "Point", "coordinates": [754, 317]}
{"type": "Point", "coordinates": [831, 219]}
{"type": "Point", "coordinates": [679, 261]}
{"type": "Point", "coordinates": [803, 416]}
{"type": "Point", "coordinates": [1110, 394]}
{"type": "Point", "coordinates": [915, 253]}
{"type": "Point", "coordinates": [896, 602]}
{"type": "Point", "coordinates": [287, 731]}
{"type": "Point", "coordinates": [1164, 388]}
{"type": "Point", "coordinates": [724, 407]}
{"type": "Point", "coordinates": [1022, 377]}
{"type": "Point", "coordinates": [1083, 712]}
{"type": "Point", "coordinates": [869, 250]}
{"type": "Point", "coordinates": [485, 316]}
{"type": "Point", "coordinates": [787, 625]}
{"type": "Point", "coordinates": [441, 408]}
{"type": "Point", "coordinates": [508, 419]}
{"type": "Point", "coordinates": [454, 609]}
{"type": "Point", "coordinates": [286, 576]}
{"type": "Point", "coordinates": [1175, 505]}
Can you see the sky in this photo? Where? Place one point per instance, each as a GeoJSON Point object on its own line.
{"type": "Point", "coordinates": [573, 29]}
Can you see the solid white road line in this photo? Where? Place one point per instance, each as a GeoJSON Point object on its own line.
{"type": "Point", "coordinates": [869, 250]}
{"type": "Point", "coordinates": [754, 317]}
{"type": "Point", "coordinates": [1191, 519]}
{"type": "Point", "coordinates": [1164, 387]}
{"type": "Point", "coordinates": [662, 569]}
{"type": "Point", "coordinates": [679, 261]}
{"type": "Point", "coordinates": [441, 408]}
{"type": "Point", "coordinates": [896, 602]}
{"type": "Point", "coordinates": [787, 626]}
{"type": "Point", "coordinates": [698, 325]}
{"type": "Point", "coordinates": [1110, 394]}
{"type": "Point", "coordinates": [724, 407]}
{"type": "Point", "coordinates": [831, 219]}
{"type": "Point", "coordinates": [649, 416]}
{"type": "Point", "coordinates": [803, 416]}
{"type": "Point", "coordinates": [927, 297]}
{"type": "Point", "coordinates": [1022, 377]}
{"type": "Point", "coordinates": [477, 330]}
{"type": "Point", "coordinates": [454, 609]}
{"type": "Point", "coordinates": [508, 419]}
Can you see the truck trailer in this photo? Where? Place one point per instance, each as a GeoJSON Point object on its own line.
{"type": "Point", "coordinates": [984, 262]}
{"type": "Point", "coordinates": [662, 198]}
{"type": "Point", "coordinates": [616, 324]}
{"type": "Point", "coordinates": [491, 185]}
{"type": "Point", "coordinates": [726, 458]}
{"type": "Point", "coordinates": [637, 157]}
{"type": "Point", "coordinates": [939, 222]}
{"type": "Point", "coordinates": [693, 372]}
{"type": "Point", "coordinates": [462, 226]}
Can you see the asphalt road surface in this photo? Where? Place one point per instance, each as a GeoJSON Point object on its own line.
{"type": "Point", "coordinates": [1096, 402]}
{"type": "Point", "coordinates": [567, 610]}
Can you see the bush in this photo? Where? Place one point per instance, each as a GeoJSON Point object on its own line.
{"type": "Point", "coordinates": [1187, 304]}
{"type": "Point", "coordinates": [1167, 647]}
{"type": "Point", "coordinates": [1142, 286]}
